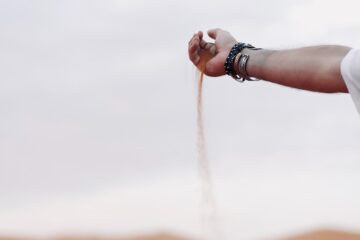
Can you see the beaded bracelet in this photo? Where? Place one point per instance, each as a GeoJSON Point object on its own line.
{"type": "Point", "coordinates": [229, 62]}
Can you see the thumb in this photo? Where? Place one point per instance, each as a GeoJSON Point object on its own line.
{"type": "Point", "coordinates": [214, 32]}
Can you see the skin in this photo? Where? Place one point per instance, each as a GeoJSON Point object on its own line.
{"type": "Point", "coordinates": [315, 68]}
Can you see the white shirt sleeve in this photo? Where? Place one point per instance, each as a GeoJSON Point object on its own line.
{"type": "Point", "coordinates": [350, 71]}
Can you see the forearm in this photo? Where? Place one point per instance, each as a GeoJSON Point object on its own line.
{"type": "Point", "coordinates": [310, 68]}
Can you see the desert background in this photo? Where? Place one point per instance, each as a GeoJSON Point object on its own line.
{"type": "Point", "coordinates": [98, 124]}
{"type": "Point", "coordinates": [315, 235]}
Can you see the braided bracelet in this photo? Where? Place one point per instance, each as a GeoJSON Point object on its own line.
{"type": "Point", "coordinates": [229, 62]}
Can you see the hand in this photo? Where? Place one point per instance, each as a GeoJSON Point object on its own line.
{"type": "Point", "coordinates": [210, 57]}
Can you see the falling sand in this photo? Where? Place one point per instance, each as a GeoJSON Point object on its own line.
{"type": "Point", "coordinates": [209, 217]}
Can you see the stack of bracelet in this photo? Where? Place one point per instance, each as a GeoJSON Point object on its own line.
{"type": "Point", "coordinates": [236, 58]}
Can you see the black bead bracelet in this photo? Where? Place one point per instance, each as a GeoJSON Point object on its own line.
{"type": "Point", "coordinates": [229, 62]}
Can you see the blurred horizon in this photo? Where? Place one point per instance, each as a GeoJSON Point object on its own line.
{"type": "Point", "coordinates": [321, 234]}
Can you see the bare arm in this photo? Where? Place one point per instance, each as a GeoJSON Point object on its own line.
{"type": "Point", "coordinates": [311, 68]}
{"type": "Point", "coordinates": [314, 68]}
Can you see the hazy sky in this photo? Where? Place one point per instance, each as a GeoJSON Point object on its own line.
{"type": "Point", "coordinates": [97, 126]}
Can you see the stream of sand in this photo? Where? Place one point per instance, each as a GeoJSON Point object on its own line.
{"type": "Point", "coordinates": [209, 217]}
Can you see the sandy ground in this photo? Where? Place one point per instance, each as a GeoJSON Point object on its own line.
{"type": "Point", "coordinates": [315, 235]}
{"type": "Point", "coordinates": [326, 235]}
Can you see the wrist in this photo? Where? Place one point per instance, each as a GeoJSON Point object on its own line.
{"type": "Point", "coordinates": [252, 67]}
{"type": "Point", "coordinates": [257, 62]}
{"type": "Point", "coordinates": [241, 64]}
{"type": "Point", "coordinates": [236, 57]}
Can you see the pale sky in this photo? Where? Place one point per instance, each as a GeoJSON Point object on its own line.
{"type": "Point", "coordinates": [97, 126]}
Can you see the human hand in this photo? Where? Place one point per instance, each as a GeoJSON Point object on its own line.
{"type": "Point", "coordinates": [210, 57]}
